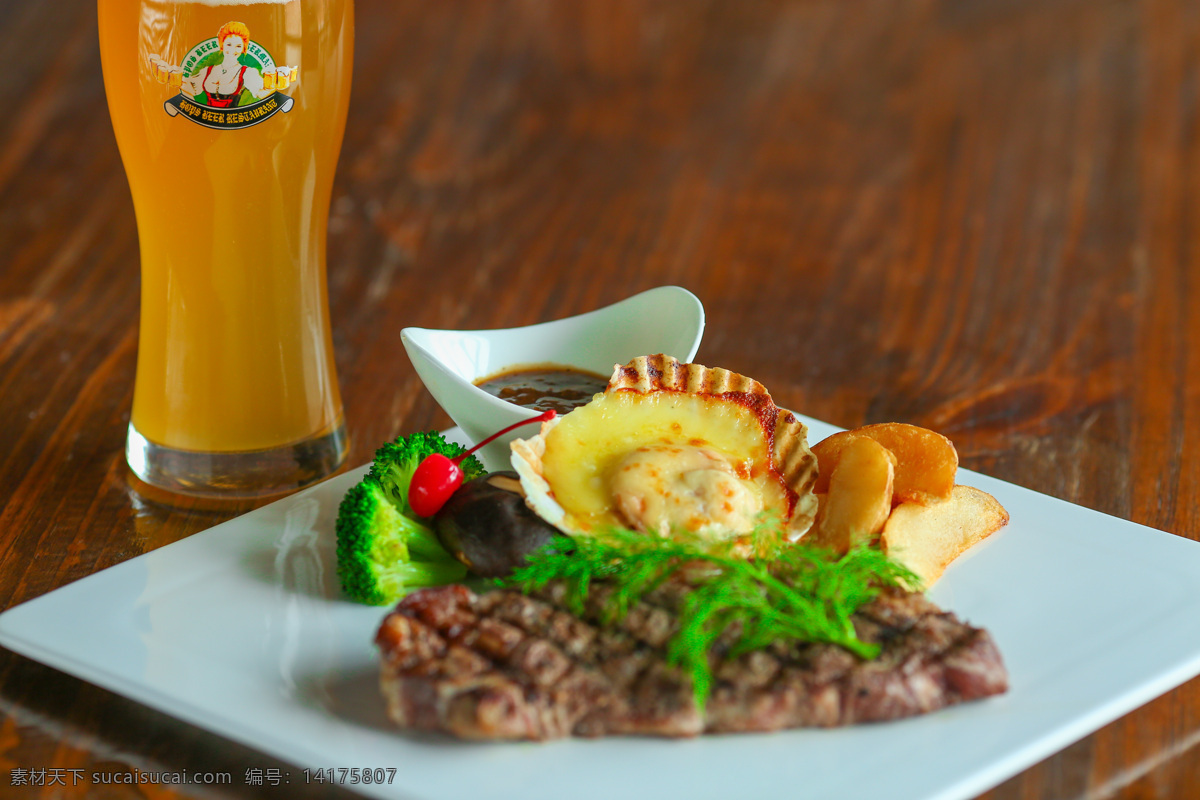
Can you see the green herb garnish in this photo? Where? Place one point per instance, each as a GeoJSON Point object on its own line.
{"type": "Point", "coordinates": [786, 593]}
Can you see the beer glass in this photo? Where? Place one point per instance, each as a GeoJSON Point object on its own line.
{"type": "Point", "coordinates": [236, 394]}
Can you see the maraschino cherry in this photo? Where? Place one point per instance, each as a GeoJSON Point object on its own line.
{"type": "Point", "coordinates": [437, 477]}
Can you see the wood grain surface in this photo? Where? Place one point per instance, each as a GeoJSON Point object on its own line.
{"type": "Point", "coordinates": [981, 216]}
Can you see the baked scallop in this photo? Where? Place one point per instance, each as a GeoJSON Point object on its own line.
{"type": "Point", "coordinates": [671, 446]}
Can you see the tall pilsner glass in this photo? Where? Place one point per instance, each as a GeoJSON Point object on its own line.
{"type": "Point", "coordinates": [231, 174]}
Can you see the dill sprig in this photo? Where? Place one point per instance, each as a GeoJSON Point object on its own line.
{"type": "Point", "coordinates": [785, 593]}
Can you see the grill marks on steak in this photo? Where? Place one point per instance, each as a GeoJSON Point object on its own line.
{"type": "Point", "coordinates": [503, 665]}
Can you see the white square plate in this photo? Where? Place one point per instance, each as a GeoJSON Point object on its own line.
{"type": "Point", "coordinates": [241, 629]}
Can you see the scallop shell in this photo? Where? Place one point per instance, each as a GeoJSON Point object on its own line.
{"type": "Point", "coordinates": [798, 467]}
{"type": "Point", "coordinates": [527, 461]}
{"type": "Point", "coordinates": [663, 373]}
{"type": "Point", "coordinates": [788, 437]}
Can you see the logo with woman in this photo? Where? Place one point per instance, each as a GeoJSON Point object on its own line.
{"type": "Point", "coordinates": [227, 82]}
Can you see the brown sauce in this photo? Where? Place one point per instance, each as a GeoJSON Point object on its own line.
{"type": "Point", "coordinates": [546, 387]}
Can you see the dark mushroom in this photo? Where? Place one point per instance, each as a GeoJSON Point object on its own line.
{"type": "Point", "coordinates": [487, 526]}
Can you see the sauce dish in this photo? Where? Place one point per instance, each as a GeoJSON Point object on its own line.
{"type": "Point", "coordinates": [668, 319]}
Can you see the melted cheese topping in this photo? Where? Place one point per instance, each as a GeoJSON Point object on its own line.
{"type": "Point", "coordinates": [665, 487]}
{"type": "Point", "coordinates": [721, 480]}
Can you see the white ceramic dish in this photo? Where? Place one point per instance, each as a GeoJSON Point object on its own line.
{"type": "Point", "coordinates": [241, 630]}
{"type": "Point", "coordinates": [668, 320]}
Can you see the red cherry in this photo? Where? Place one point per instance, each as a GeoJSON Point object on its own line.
{"type": "Point", "coordinates": [437, 477]}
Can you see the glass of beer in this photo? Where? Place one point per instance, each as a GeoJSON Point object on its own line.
{"type": "Point", "coordinates": [236, 395]}
{"type": "Point", "coordinates": [161, 71]}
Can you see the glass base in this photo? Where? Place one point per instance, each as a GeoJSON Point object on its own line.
{"type": "Point", "coordinates": [236, 476]}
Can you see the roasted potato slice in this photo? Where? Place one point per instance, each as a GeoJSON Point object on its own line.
{"type": "Point", "coordinates": [859, 496]}
{"type": "Point", "coordinates": [926, 538]}
{"type": "Point", "coordinates": [926, 461]}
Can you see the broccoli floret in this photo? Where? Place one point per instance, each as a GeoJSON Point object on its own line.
{"type": "Point", "coordinates": [384, 550]}
{"type": "Point", "coordinates": [383, 555]}
{"type": "Point", "coordinates": [396, 461]}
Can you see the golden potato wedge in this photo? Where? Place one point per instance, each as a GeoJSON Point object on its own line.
{"type": "Point", "coordinates": [859, 499]}
{"type": "Point", "coordinates": [926, 461]}
{"type": "Point", "coordinates": [926, 538]}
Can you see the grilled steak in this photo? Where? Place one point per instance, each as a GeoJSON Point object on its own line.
{"type": "Point", "coordinates": [503, 665]}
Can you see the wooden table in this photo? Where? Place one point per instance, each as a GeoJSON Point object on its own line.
{"type": "Point", "coordinates": [980, 216]}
